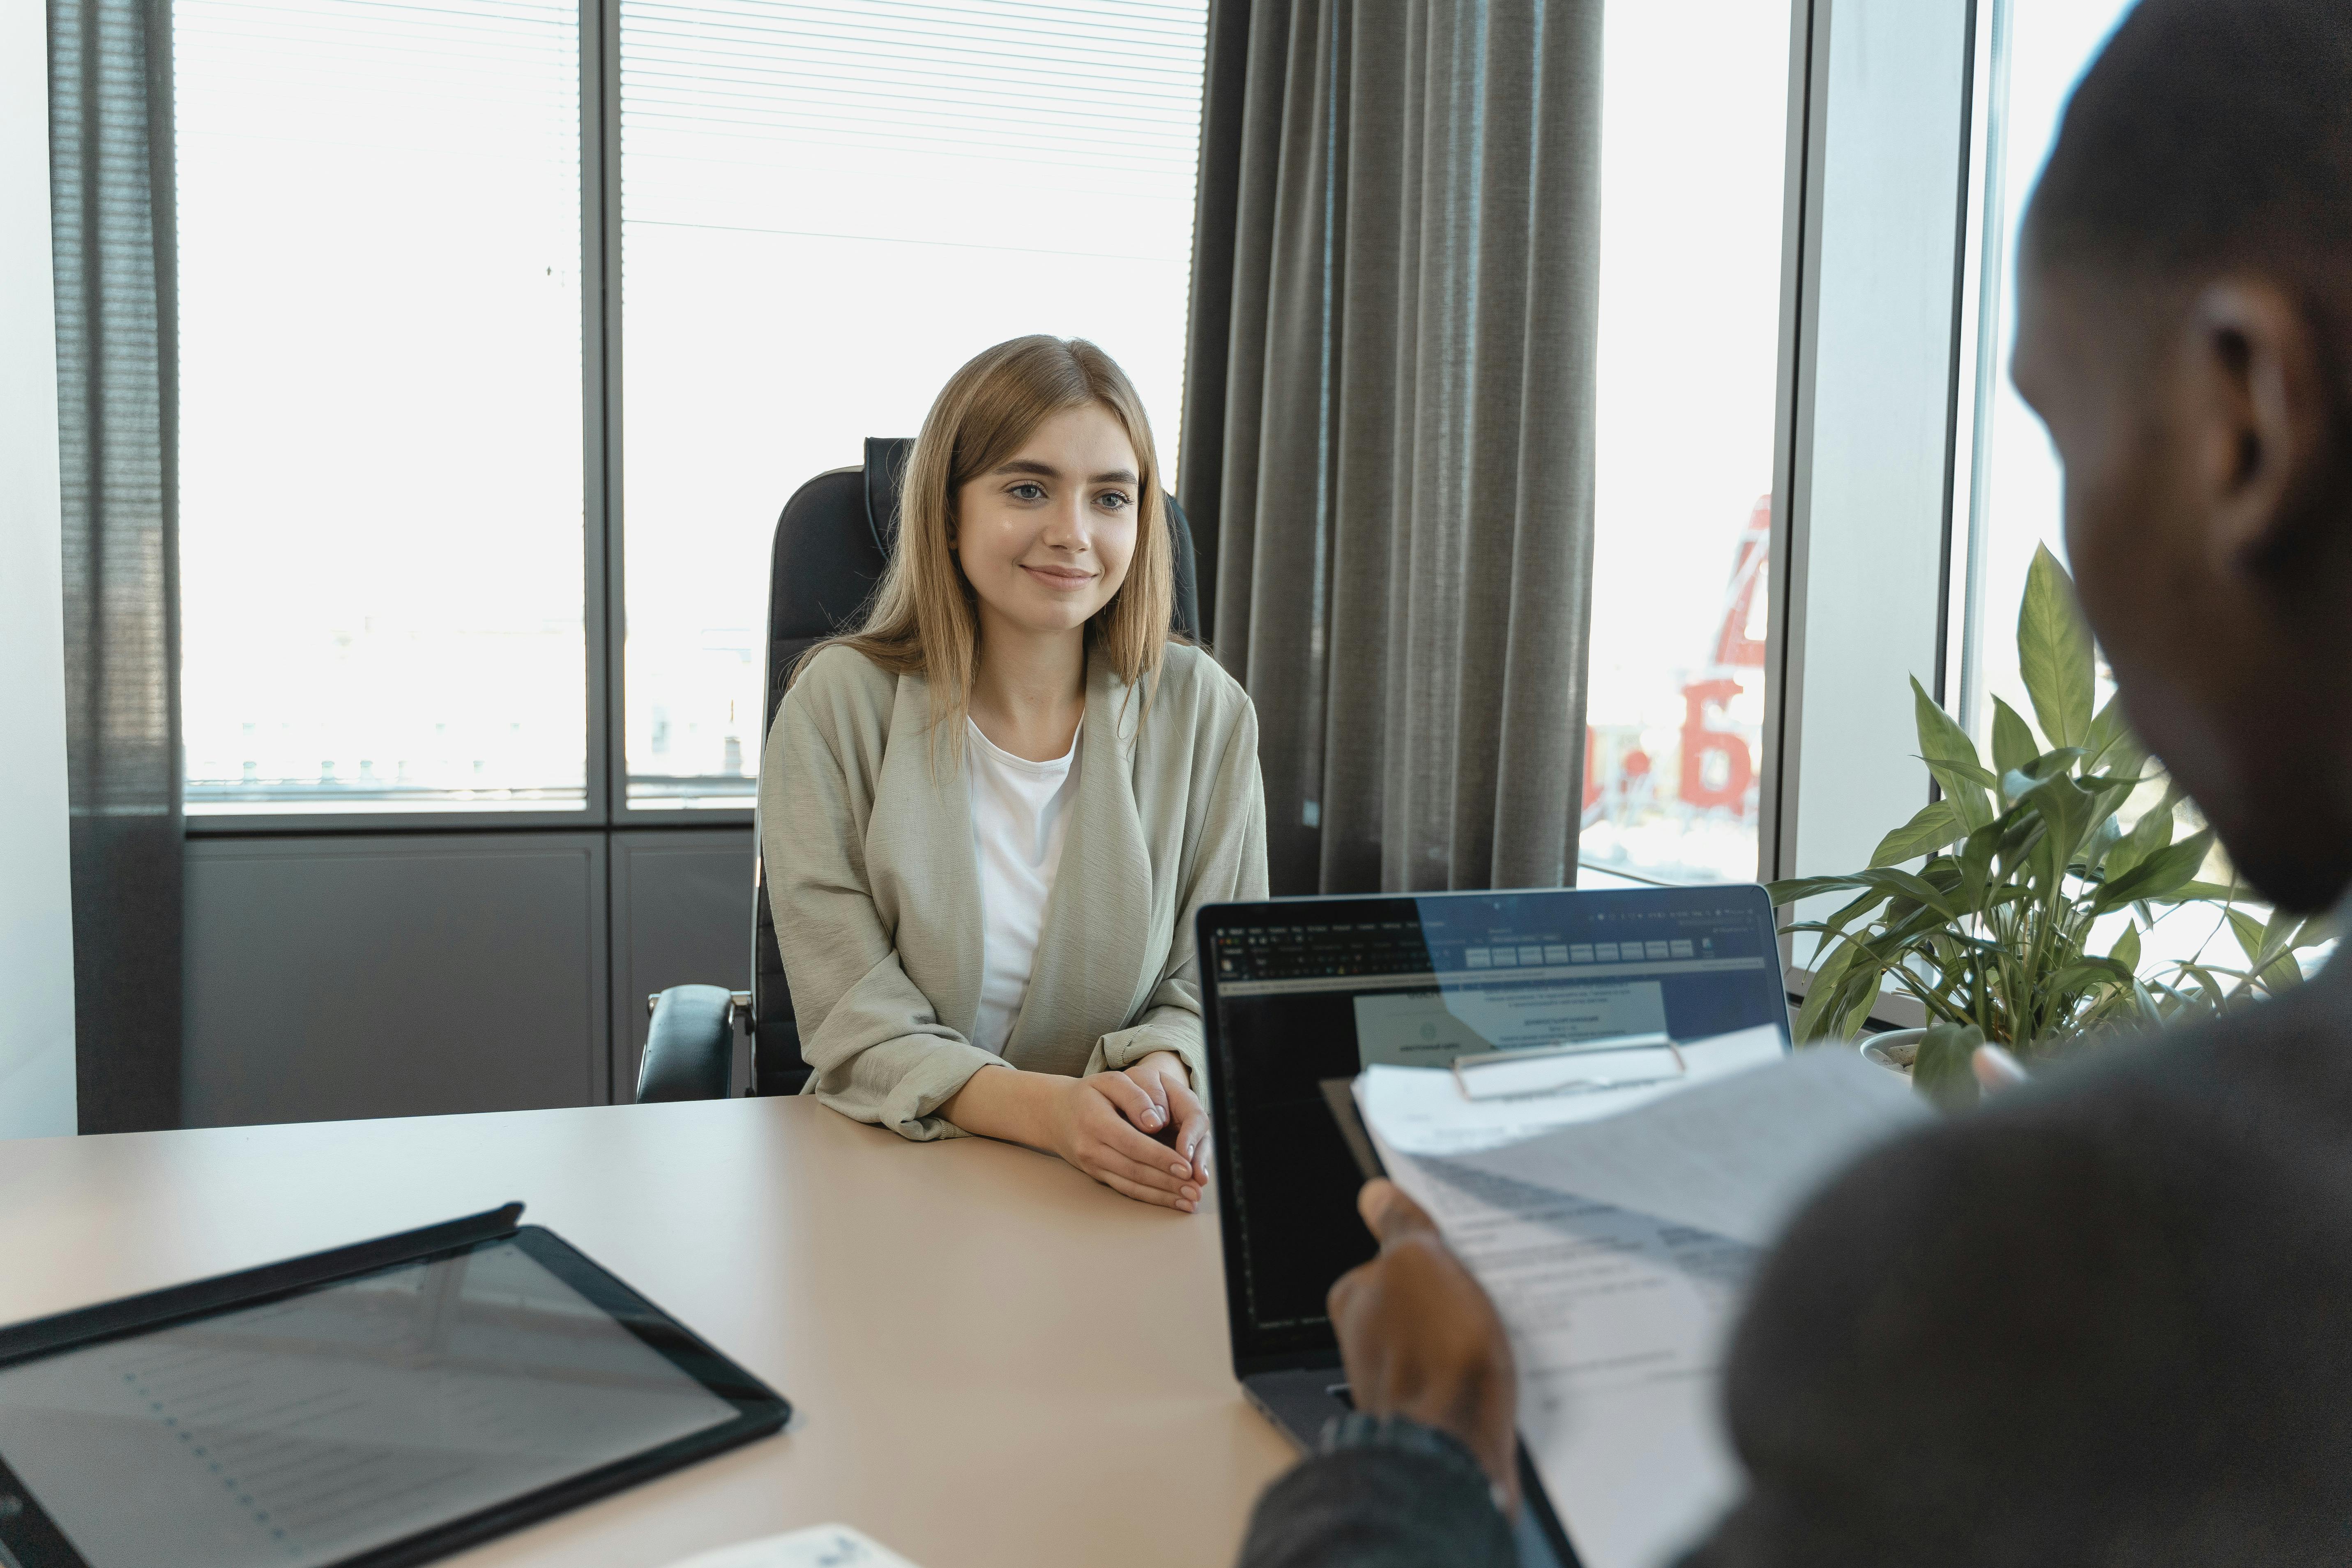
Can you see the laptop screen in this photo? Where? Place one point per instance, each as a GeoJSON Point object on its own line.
{"type": "Point", "coordinates": [1301, 991]}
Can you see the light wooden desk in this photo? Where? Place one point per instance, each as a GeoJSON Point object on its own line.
{"type": "Point", "coordinates": [991, 1359]}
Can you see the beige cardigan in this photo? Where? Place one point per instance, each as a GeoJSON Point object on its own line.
{"type": "Point", "coordinates": [866, 836]}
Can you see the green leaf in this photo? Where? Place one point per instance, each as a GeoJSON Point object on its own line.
{"type": "Point", "coordinates": [2160, 874]}
{"type": "Point", "coordinates": [1935, 825]}
{"type": "Point", "coordinates": [2107, 837]}
{"type": "Point", "coordinates": [1827, 971]}
{"type": "Point", "coordinates": [2249, 932]}
{"type": "Point", "coordinates": [2064, 990]}
{"type": "Point", "coordinates": [1974, 863]}
{"type": "Point", "coordinates": [2063, 804]}
{"type": "Point", "coordinates": [2012, 742]}
{"type": "Point", "coordinates": [2195, 893]}
{"type": "Point", "coordinates": [2279, 933]}
{"type": "Point", "coordinates": [1952, 758]}
{"type": "Point", "coordinates": [1846, 915]}
{"type": "Point", "coordinates": [2281, 973]}
{"type": "Point", "coordinates": [1909, 885]}
{"type": "Point", "coordinates": [2126, 948]}
{"type": "Point", "coordinates": [2151, 833]}
{"type": "Point", "coordinates": [1789, 891]}
{"type": "Point", "coordinates": [1944, 1069]}
{"type": "Point", "coordinates": [2053, 652]}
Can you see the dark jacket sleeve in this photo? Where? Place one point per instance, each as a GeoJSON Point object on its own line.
{"type": "Point", "coordinates": [1421, 1503]}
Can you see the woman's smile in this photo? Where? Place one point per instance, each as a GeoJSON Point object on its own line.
{"type": "Point", "coordinates": [1061, 579]}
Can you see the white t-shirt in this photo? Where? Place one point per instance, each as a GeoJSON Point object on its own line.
{"type": "Point", "coordinates": [1020, 814]}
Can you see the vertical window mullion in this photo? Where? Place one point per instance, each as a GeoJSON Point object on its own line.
{"type": "Point", "coordinates": [600, 190]}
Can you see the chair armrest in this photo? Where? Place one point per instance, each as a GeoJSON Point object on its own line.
{"type": "Point", "coordinates": [689, 1047]}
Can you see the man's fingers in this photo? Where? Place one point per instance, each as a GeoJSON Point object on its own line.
{"type": "Point", "coordinates": [1996, 1069]}
{"type": "Point", "coordinates": [1343, 1289]}
{"type": "Point", "coordinates": [1388, 1213]}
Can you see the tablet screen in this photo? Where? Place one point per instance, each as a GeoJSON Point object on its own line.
{"type": "Point", "coordinates": [310, 1429]}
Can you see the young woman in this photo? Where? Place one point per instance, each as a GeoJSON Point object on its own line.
{"type": "Point", "coordinates": [989, 813]}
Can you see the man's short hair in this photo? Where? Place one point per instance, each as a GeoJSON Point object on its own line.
{"type": "Point", "coordinates": [2208, 133]}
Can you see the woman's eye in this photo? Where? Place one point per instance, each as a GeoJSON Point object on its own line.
{"type": "Point", "coordinates": [1027, 491]}
{"type": "Point", "coordinates": [1113, 499]}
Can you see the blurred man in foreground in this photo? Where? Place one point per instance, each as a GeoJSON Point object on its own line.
{"type": "Point", "coordinates": [2101, 1321]}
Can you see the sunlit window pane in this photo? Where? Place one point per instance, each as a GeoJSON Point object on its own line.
{"type": "Point", "coordinates": [381, 527]}
{"type": "Point", "coordinates": [827, 208]}
{"type": "Point", "coordinates": [1694, 132]}
{"type": "Point", "coordinates": [2049, 44]}
{"type": "Point", "coordinates": [2020, 486]}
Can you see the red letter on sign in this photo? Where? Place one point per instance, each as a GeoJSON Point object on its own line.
{"type": "Point", "coordinates": [1699, 739]}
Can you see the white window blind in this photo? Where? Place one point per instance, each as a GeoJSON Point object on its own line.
{"type": "Point", "coordinates": [827, 208]}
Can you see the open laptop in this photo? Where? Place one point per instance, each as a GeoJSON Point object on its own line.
{"type": "Point", "coordinates": [1298, 991]}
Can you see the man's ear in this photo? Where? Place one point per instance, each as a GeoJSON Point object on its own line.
{"type": "Point", "coordinates": [2259, 411]}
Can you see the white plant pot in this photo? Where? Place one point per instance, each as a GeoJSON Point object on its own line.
{"type": "Point", "coordinates": [1892, 1050]}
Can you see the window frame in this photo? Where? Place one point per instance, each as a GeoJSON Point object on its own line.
{"type": "Point", "coordinates": [1883, 180]}
{"type": "Point", "coordinates": [1819, 698]}
{"type": "Point", "coordinates": [605, 804]}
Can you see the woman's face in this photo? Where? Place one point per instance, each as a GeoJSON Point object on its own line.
{"type": "Point", "coordinates": [1046, 535]}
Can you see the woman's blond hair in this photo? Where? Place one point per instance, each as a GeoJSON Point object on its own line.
{"type": "Point", "coordinates": [921, 619]}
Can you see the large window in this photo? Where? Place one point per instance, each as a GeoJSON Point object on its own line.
{"type": "Point", "coordinates": [1693, 181]}
{"type": "Point", "coordinates": [2039, 50]}
{"type": "Point", "coordinates": [826, 209]}
{"type": "Point", "coordinates": [380, 334]}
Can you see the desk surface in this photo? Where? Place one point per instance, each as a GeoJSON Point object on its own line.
{"type": "Point", "coordinates": [991, 1359]}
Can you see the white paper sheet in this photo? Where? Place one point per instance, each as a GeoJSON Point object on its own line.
{"type": "Point", "coordinates": [1422, 1111]}
{"type": "Point", "coordinates": [1616, 1321]}
{"type": "Point", "coordinates": [818, 1546]}
{"type": "Point", "coordinates": [1735, 1156]}
{"type": "Point", "coordinates": [1618, 1302]}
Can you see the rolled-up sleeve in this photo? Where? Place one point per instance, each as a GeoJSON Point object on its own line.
{"type": "Point", "coordinates": [879, 1050]}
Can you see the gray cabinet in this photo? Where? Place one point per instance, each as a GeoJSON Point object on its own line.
{"type": "Point", "coordinates": [337, 976]}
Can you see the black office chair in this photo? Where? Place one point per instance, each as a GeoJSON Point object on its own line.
{"type": "Point", "coordinates": [832, 542]}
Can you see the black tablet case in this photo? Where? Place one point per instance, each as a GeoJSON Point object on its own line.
{"type": "Point", "coordinates": [27, 1534]}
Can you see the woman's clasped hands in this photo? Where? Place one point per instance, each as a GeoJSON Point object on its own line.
{"type": "Point", "coordinates": [1141, 1132]}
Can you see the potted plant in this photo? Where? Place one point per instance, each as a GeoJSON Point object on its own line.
{"type": "Point", "coordinates": [2031, 883]}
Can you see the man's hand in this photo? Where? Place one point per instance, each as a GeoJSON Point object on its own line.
{"type": "Point", "coordinates": [1996, 1069]}
{"type": "Point", "coordinates": [1422, 1339]}
{"type": "Point", "coordinates": [1173, 1112]}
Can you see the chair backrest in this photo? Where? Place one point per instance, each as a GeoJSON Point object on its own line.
{"type": "Point", "coordinates": [832, 542]}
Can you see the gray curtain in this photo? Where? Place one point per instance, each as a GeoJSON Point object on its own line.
{"type": "Point", "coordinates": [1402, 514]}
{"type": "Point", "coordinates": [111, 190]}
